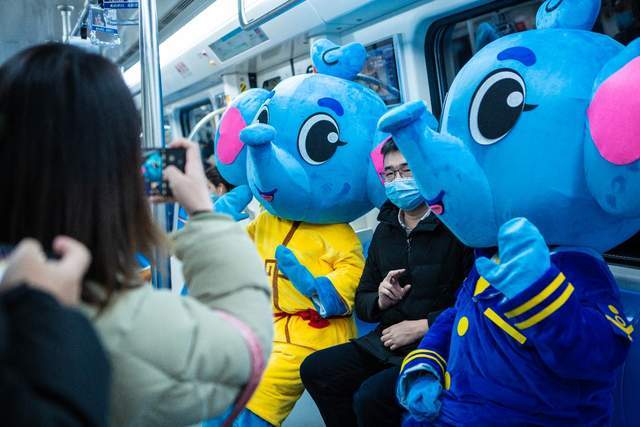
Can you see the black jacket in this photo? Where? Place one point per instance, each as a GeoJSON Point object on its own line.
{"type": "Point", "coordinates": [436, 264]}
{"type": "Point", "coordinates": [53, 370]}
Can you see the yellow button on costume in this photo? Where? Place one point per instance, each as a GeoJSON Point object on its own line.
{"type": "Point", "coordinates": [333, 251]}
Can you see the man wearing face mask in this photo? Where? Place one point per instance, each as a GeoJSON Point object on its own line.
{"type": "Point", "coordinates": [413, 268]}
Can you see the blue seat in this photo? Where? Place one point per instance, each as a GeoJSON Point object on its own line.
{"type": "Point", "coordinates": [626, 408]}
{"type": "Point", "coordinates": [365, 237]}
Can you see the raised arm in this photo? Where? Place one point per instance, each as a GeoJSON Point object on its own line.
{"type": "Point", "coordinates": [563, 320]}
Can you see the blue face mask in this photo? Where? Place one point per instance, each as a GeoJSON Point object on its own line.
{"type": "Point", "coordinates": [403, 192]}
{"type": "Point", "coordinates": [624, 20]}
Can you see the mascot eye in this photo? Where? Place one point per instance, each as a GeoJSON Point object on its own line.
{"type": "Point", "coordinates": [262, 116]}
{"type": "Point", "coordinates": [496, 106]}
{"type": "Point", "coordinates": [319, 138]}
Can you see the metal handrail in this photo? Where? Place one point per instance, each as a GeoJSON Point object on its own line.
{"type": "Point", "coordinates": [81, 18]}
{"type": "Point", "coordinates": [256, 22]}
{"type": "Point", "coordinates": [65, 13]}
{"type": "Point", "coordinates": [203, 121]}
{"type": "Point", "coordinates": [152, 123]}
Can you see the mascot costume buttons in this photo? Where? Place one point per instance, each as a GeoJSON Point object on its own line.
{"type": "Point", "coordinates": [308, 151]}
{"type": "Point", "coordinates": [536, 163]}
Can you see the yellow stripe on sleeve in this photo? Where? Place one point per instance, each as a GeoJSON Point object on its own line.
{"type": "Point", "coordinates": [422, 356]}
{"type": "Point", "coordinates": [431, 352]}
{"type": "Point", "coordinates": [539, 298]}
{"type": "Point", "coordinates": [502, 324]}
{"type": "Point", "coordinates": [551, 308]}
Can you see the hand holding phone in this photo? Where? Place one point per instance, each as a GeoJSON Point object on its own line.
{"type": "Point", "coordinates": [155, 161]}
{"type": "Point", "coordinates": [189, 185]}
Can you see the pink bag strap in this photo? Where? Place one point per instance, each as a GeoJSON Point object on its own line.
{"type": "Point", "coordinates": [257, 366]}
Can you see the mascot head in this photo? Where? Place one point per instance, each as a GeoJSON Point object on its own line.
{"type": "Point", "coordinates": [309, 149]}
{"type": "Point", "coordinates": [543, 124]}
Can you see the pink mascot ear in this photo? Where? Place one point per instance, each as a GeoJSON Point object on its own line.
{"type": "Point", "coordinates": [614, 115]}
{"type": "Point", "coordinates": [378, 159]}
{"type": "Point", "coordinates": [229, 143]}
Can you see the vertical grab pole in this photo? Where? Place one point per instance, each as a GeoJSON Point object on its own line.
{"type": "Point", "coordinates": [65, 12]}
{"type": "Point", "coordinates": [152, 123]}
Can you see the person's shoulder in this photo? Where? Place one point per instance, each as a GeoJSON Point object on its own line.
{"type": "Point", "coordinates": [152, 326]}
{"type": "Point", "coordinates": [135, 311]}
{"type": "Point", "coordinates": [341, 228]}
{"type": "Point", "coordinates": [383, 230]}
{"type": "Point", "coordinates": [339, 236]}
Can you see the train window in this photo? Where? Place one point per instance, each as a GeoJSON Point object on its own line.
{"type": "Point", "coordinates": [168, 133]}
{"type": "Point", "coordinates": [621, 20]}
{"type": "Point", "coordinates": [451, 42]}
{"type": "Point", "coordinates": [270, 84]}
{"type": "Point", "coordinates": [189, 118]}
{"type": "Point", "coordinates": [380, 72]}
{"type": "Point", "coordinates": [220, 100]}
{"type": "Point", "coordinates": [627, 253]}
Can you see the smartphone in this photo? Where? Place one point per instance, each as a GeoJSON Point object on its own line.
{"type": "Point", "coordinates": [154, 161]}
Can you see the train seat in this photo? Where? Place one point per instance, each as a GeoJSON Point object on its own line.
{"type": "Point", "coordinates": [626, 408]}
{"type": "Point", "coordinates": [365, 235]}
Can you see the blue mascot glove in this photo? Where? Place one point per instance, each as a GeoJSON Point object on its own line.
{"type": "Point", "coordinates": [297, 273]}
{"type": "Point", "coordinates": [234, 202]}
{"type": "Point", "coordinates": [524, 258]}
{"type": "Point", "coordinates": [319, 290]}
{"type": "Point", "coordinates": [422, 400]}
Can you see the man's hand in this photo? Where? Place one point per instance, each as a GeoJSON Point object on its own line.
{"type": "Point", "coordinates": [60, 278]}
{"type": "Point", "coordinates": [404, 333]}
{"type": "Point", "coordinates": [390, 292]}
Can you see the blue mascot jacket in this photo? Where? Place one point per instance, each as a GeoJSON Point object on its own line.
{"type": "Point", "coordinates": [529, 361]}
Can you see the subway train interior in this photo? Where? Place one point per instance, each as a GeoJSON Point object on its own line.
{"type": "Point", "coordinates": [185, 61]}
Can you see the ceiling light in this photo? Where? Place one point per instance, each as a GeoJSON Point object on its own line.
{"type": "Point", "coordinates": [207, 22]}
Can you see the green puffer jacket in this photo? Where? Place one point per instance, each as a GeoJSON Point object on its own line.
{"type": "Point", "coordinates": [180, 360]}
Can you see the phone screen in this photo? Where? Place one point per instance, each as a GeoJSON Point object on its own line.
{"type": "Point", "coordinates": [154, 161]}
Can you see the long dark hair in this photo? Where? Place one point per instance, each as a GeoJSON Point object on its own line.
{"type": "Point", "coordinates": [70, 148]}
{"type": "Point", "coordinates": [214, 177]}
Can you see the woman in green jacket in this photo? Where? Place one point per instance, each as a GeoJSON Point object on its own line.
{"type": "Point", "coordinates": [69, 135]}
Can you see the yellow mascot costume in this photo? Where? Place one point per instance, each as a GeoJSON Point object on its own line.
{"type": "Point", "coordinates": [308, 151]}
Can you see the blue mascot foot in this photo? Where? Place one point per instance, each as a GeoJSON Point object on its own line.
{"type": "Point", "coordinates": [245, 419]}
{"type": "Point", "coordinates": [249, 419]}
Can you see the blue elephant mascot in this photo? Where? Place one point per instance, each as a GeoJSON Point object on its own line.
{"type": "Point", "coordinates": [536, 163]}
{"type": "Point", "coordinates": [308, 151]}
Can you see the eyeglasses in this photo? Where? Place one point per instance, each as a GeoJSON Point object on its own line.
{"type": "Point", "coordinates": [390, 174]}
